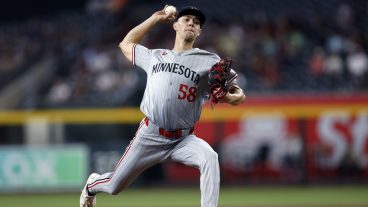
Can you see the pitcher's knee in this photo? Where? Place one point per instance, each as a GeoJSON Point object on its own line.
{"type": "Point", "coordinates": [211, 158]}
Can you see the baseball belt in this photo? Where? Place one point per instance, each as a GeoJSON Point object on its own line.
{"type": "Point", "coordinates": [171, 134]}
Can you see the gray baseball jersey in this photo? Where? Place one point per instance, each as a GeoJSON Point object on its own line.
{"type": "Point", "coordinates": [175, 91]}
{"type": "Point", "coordinates": [176, 84]}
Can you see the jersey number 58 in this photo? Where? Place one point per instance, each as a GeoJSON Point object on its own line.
{"type": "Point", "coordinates": [188, 93]}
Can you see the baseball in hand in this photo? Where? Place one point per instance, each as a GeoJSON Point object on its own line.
{"type": "Point", "coordinates": [170, 10]}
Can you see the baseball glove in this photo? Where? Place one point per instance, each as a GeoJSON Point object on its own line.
{"type": "Point", "coordinates": [218, 78]}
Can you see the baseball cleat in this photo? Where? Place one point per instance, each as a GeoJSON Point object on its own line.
{"type": "Point", "coordinates": [85, 199]}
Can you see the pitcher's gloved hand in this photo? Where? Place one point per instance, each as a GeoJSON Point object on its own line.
{"type": "Point", "coordinates": [218, 79]}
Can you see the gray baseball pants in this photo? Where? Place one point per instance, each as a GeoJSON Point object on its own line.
{"type": "Point", "coordinates": [148, 148]}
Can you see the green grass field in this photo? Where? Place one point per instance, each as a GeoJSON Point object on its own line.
{"type": "Point", "coordinates": [337, 196]}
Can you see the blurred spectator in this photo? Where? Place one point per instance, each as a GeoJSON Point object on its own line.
{"type": "Point", "coordinates": [333, 64]}
{"type": "Point", "coordinates": [357, 62]}
{"type": "Point", "coordinates": [106, 81]}
{"type": "Point", "coordinates": [336, 44]}
{"type": "Point", "coordinates": [60, 92]}
{"type": "Point", "coordinates": [228, 43]}
{"type": "Point", "coordinates": [96, 60]}
{"type": "Point", "coordinates": [344, 17]}
{"type": "Point", "coordinates": [317, 61]}
{"type": "Point", "coordinates": [357, 65]}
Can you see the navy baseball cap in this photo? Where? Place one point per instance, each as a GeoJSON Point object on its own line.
{"type": "Point", "coordinates": [191, 10]}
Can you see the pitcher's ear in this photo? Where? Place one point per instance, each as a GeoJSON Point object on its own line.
{"type": "Point", "coordinates": [175, 25]}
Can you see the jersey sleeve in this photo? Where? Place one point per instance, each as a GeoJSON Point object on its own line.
{"type": "Point", "coordinates": [141, 56]}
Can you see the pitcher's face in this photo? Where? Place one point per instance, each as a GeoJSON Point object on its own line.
{"type": "Point", "coordinates": [188, 27]}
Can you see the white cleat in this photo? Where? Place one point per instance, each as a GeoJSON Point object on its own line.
{"type": "Point", "coordinates": [85, 199]}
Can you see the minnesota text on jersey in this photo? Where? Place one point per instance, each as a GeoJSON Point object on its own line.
{"type": "Point", "coordinates": [176, 68]}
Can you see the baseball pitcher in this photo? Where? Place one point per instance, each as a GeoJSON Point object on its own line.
{"type": "Point", "coordinates": [179, 81]}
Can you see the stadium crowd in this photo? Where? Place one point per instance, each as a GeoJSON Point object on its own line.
{"type": "Point", "coordinates": [324, 52]}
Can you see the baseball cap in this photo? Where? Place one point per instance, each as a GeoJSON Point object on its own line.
{"type": "Point", "coordinates": [191, 10]}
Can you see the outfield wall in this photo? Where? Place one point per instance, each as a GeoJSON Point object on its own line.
{"type": "Point", "coordinates": [270, 139]}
